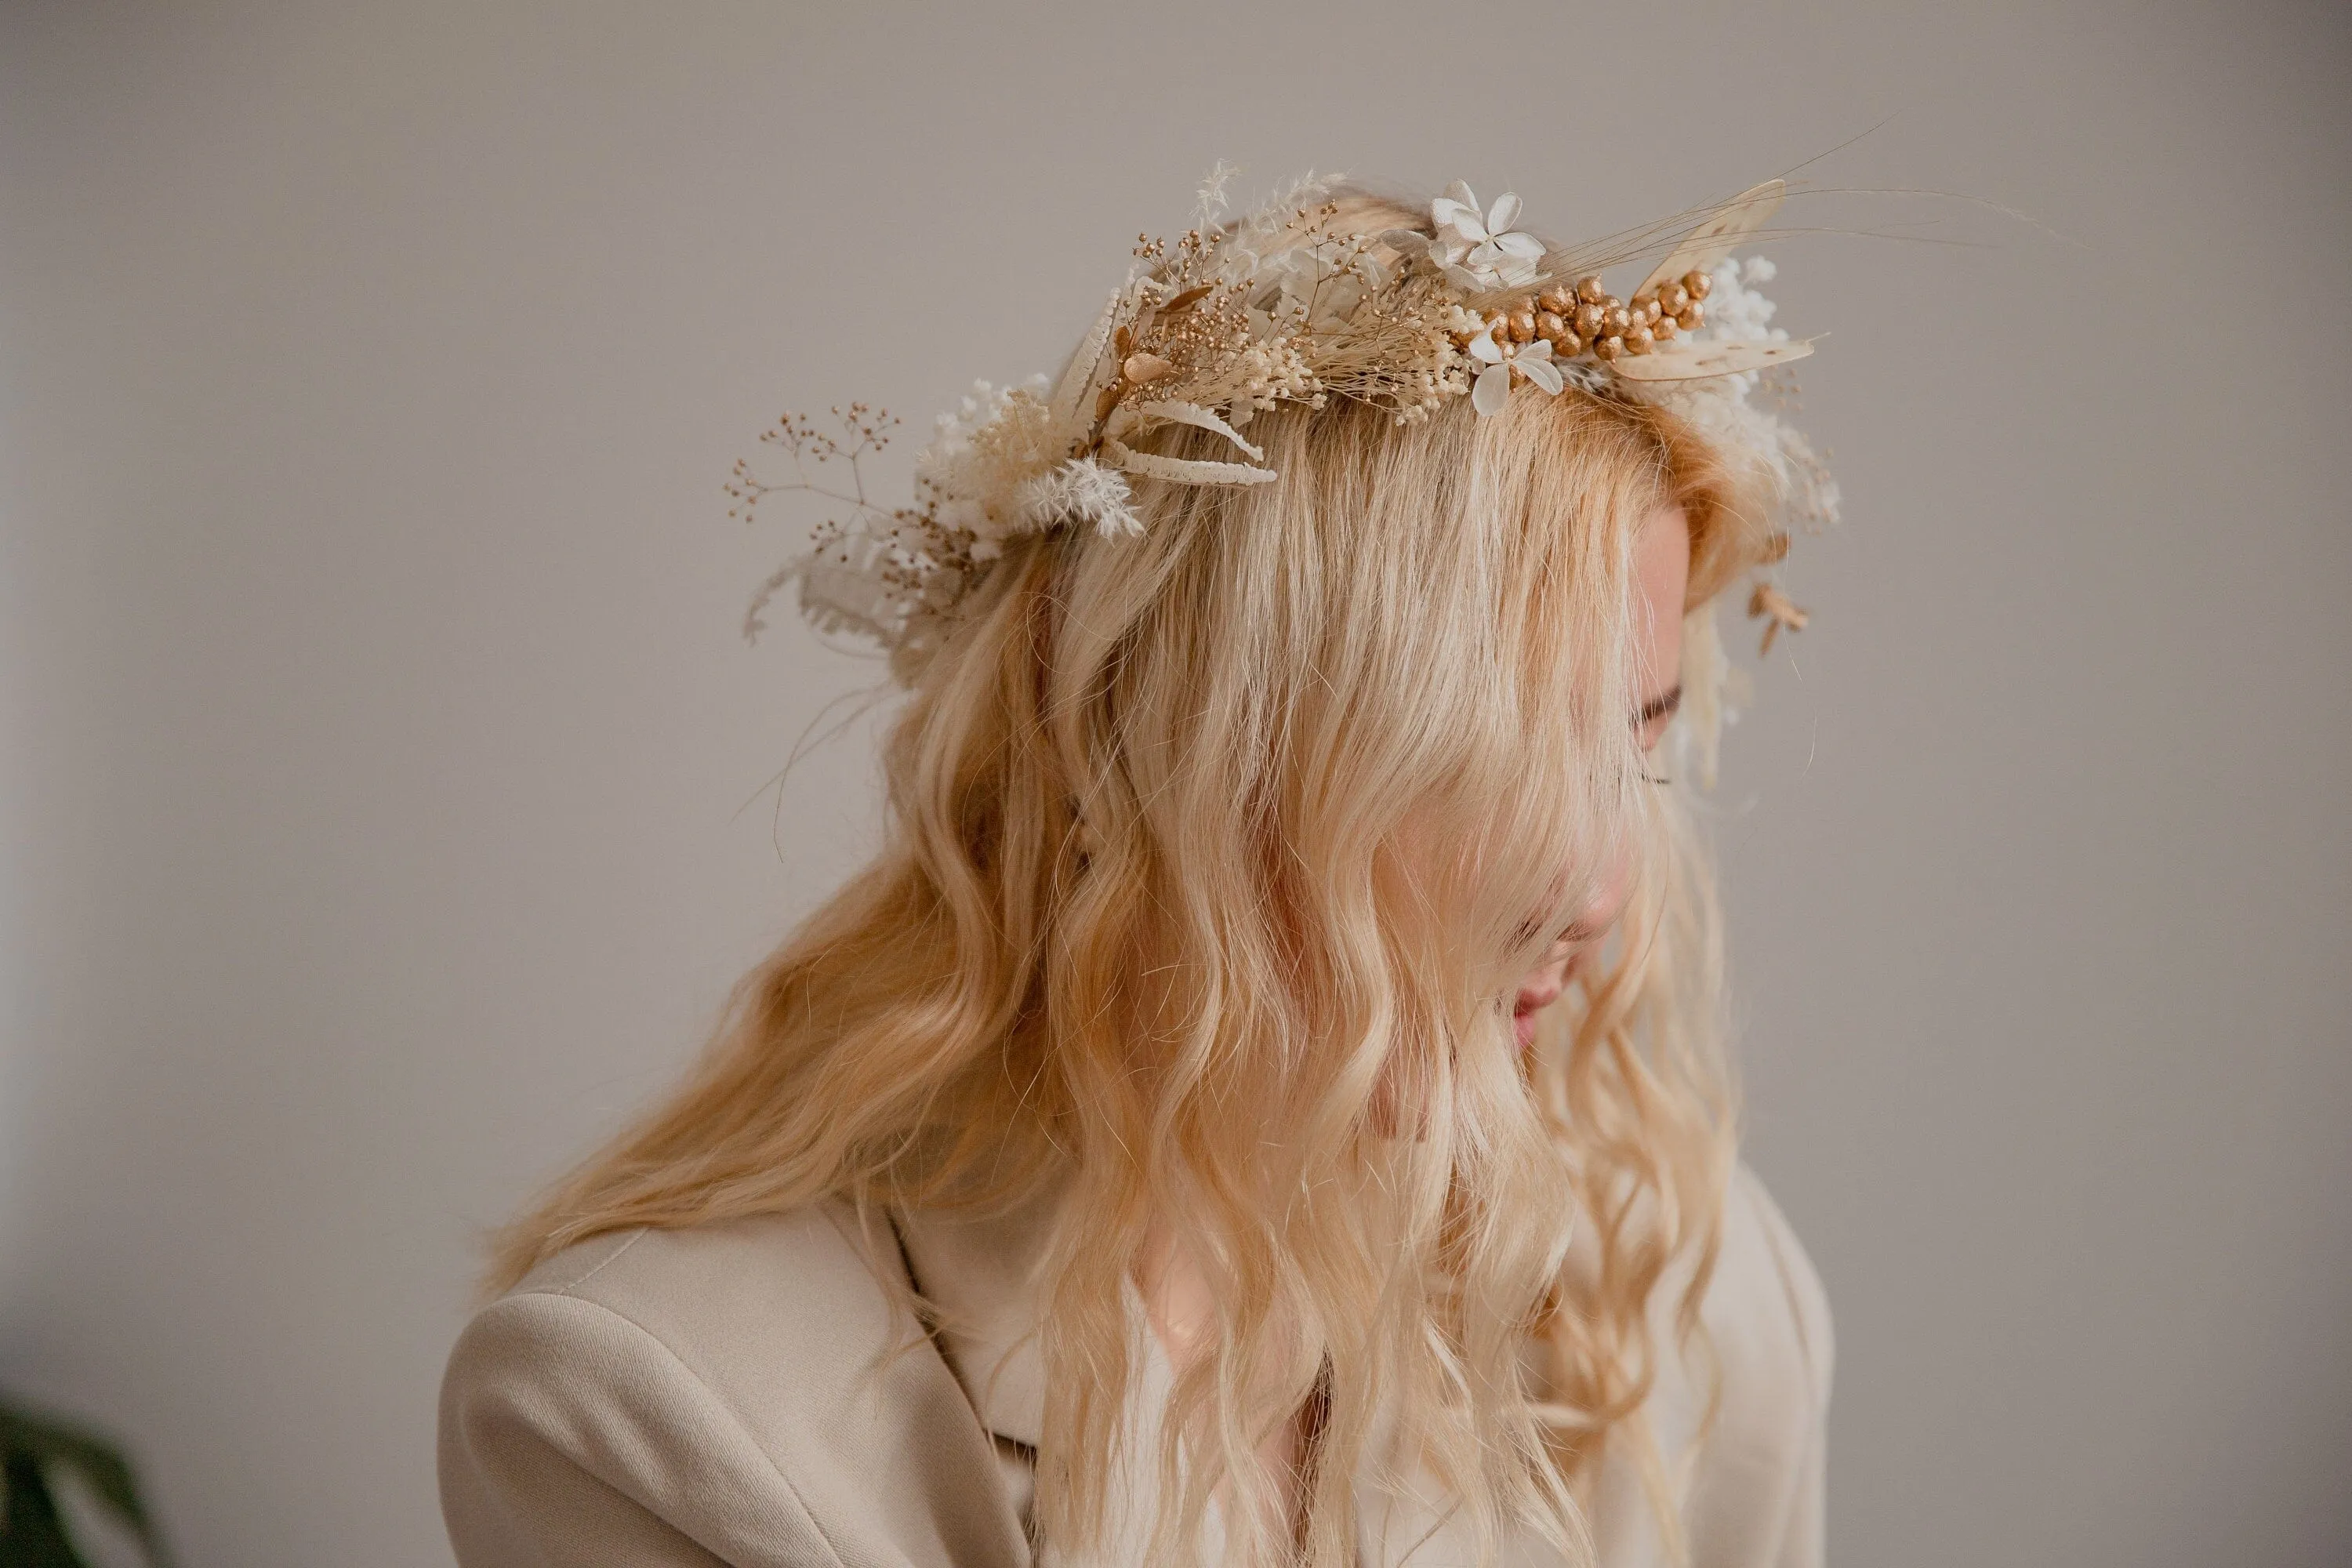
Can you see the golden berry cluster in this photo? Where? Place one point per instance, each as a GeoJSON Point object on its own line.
{"type": "Point", "coordinates": [1587, 318]}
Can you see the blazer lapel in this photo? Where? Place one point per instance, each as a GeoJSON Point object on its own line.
{"type": "Point", "coordinates": [981, 1277]}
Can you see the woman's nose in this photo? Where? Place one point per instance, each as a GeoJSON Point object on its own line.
{"type": "Point", "coordinates": [1608, 900]}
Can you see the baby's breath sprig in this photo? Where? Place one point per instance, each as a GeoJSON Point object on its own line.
{"type": "Point", "coordinates": [904, 549]}
{"type": "Point", "coordinates": [865, 430]}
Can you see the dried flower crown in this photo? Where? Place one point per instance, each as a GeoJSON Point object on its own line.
{"type": "Point", "coordinates": [1285, 308]}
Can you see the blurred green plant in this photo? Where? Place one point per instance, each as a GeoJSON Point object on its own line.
{"type": "Point", "coordinates": [37, 1452]}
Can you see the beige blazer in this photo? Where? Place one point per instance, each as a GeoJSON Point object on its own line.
{"type": "Point", "coordinates": [729, 1395]}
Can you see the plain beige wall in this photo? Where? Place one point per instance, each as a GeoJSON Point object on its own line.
{"type": "Point", "coordinates": [375, 725]}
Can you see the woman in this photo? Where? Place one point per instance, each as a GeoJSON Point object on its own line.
{"type": "Point", "coordinates": [1264, 1105]}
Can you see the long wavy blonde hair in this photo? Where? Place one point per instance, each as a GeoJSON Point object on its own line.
{"type": "Point", "coordinates": [1210, 856]}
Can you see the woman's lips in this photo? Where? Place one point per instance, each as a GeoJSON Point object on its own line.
{"type": "Point", "coordinates": [1533, 999]}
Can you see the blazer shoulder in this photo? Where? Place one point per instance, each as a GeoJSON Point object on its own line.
{"type": "Point", "coordinates": [775, 1350]}
{"type": "Point", "coordinates": [786, 1321]}
{"type": "Point", "coordinates": [568, 1431]}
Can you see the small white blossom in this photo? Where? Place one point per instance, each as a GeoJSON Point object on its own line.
{"type": "Point", "coordinates": [1454, 320]}
{"type": "Point", "coordinates": [1482, 252]}
{"type": "Point", "coordinates": [1493, 387]}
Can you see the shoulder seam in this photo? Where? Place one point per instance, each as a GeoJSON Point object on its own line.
{"type": "Point", "coordinates": [635, 1236]}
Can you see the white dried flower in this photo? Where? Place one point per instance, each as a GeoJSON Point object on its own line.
{"type": "Point", "coordinates": [1484, 251]}
{"type": "Point", "coordinates": [1735, 311]}
{"type": "Point", "coordinates": [1724, 408]}
{"type": "Point", "coordinates": [1457, 320]}
{"type": "Point", "coordinates": [1081, 491]}
{"type": "Point", "coordinates": [1493, 387]}
{"type": "Point", "coordinates": [982, 453]}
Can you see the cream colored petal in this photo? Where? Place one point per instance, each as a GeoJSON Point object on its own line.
{"type": "Point", "coordinates": [1711, 241]}
{"type": "Point", "coordinates": [1199, 418]}
{"type": "Point", "coordinates": [1695, 361]}
{"type": "Point", "coordinates": [1181, 470]}
{"type": "Point", "coordinates": [1493, 389]}
{"type": "Point", "coordinates": [1517, 272]}
{"type": "Point", "coordinates": [1078, 379]}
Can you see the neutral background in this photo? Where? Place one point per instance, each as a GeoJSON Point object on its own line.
{"type": "Point", "coordinates": [378, 737]}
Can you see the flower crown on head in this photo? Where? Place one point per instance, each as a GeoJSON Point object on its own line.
{"type": "Point", "coordinates": [1287, 307]}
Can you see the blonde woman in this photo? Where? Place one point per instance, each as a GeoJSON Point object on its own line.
{"type": "Point", "coordinates": [1264, 1103]}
